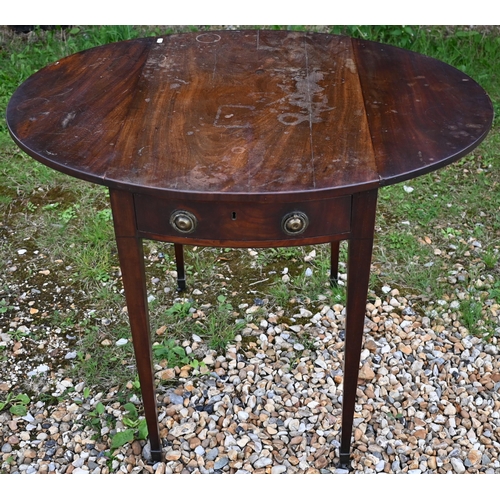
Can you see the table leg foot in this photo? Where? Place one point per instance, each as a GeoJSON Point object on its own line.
{"type": "Point", "coordinates": [156, 456]}
{"type": "Point", "coordinates": [179, 262]}
{"type": "Point", "coordinates": [334, 263]}
{"type": "Point", "coordinates": [181, 285]}
{"type": "Point", "coordinates": [344, 459]}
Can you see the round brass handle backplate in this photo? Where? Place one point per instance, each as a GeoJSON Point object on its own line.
{"type": "Point", "coordinates": [295, 223]}
{"type": "Point", "coordinates": [182, 221]}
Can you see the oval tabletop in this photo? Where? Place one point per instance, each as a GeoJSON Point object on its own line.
{"type": "Point", "coordinates": [248, 113]}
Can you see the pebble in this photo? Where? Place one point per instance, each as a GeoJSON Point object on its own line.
{"type": "Point", "coordinates": [221, 462]}
{"type": "Point", "coordinates": [262, 462]}
{"type": "Point", "coordinates": [136, 448]}
{"type": "Point", "coordinates": [458, 465]}
{"type": "Point", "coordinates": [181, 429]}
{"type": "Point", "coordinates": [173, 455]}
{"type": "Point", "coordinates": [278, 469]}
{"type": "Point", "coordinates": [212, 454]}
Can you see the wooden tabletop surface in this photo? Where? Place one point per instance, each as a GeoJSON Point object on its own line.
{"type": "Point", "coordinates": [248, 114]}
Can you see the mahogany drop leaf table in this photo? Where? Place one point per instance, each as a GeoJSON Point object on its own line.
{"type": "Point", "coordinates": [247, 139]}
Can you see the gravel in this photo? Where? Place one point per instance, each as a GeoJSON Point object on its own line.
{"type": "Point", "coordinates": [427, 403]}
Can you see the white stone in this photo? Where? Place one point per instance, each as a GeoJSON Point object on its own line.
{"type": "Point", "coordinates": [321, 363]}
{"type": "Point", "coordinates": [262, 462]}
{"type": "Point", "coordinates": [243, 416]}
{"type": "Point", "coordinates": [181, 429]}
{"type": "Point", "coordinates": [450, 410]}
{"type": "Point", "coordinates": [278, 469]}
{"type": "Point", "coordinates": [310, 256]}
{"type": "Point", "coordinates": [458, 465]}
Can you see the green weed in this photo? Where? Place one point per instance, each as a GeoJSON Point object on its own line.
{"type": "Point", "coordinates": [4, 306]}
{"type": "Point", "coordinates": [173, 354]}
{"type": "Point", "coordinates": [313, 280]}
{"type": "Point", "coordinates": [219, 327]}
{"type": "Point", "coordinates": [102, 365]}
{"type": "Point", "coordinates": [280, 293]}
{"type": "Point", "coordinates": [471, 312]}
{"type": "Point", "coordinates": [136, 428]}
{"type": "Point", "coordinates": [490, 258]}
{"type": "Point", "coordinates": [179, 311]}
{"type": "Point", "coordinates": [16, 404]}
{"type": "Point", "coordinates": [494, 292]}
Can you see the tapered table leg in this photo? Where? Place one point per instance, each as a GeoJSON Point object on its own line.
{"type": "Point", "coordinates": [334, 262]}
{"type": "Point", "coordinates": [358, 276]}
{"type": "Point", "coordinates": [179, 262]}
{"type": "Point", "coordinates": [131, 257]}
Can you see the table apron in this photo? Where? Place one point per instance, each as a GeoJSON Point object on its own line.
{"type": "Point", "coordinates": [243, 224]}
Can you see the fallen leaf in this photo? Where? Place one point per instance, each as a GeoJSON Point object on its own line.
{"type": "Point", "coordinates": [161, 330]}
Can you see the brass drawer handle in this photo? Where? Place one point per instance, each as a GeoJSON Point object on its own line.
{"type": "Point", "coordinates": [295, 223]}
{"type": "Point", "coordinates": [182, 221]}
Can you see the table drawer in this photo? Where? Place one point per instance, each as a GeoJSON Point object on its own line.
{"type": "Point", "coordinates": [242, 223]}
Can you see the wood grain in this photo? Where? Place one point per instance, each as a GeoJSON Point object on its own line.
{"type": "Point", "coordinates": [423, 113]}
{"type": "Point", "coordinates": [248, 113]}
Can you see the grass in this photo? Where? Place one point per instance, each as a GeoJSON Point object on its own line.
{"type": "Point", "coordinates": [220, 327]}
{"type": "Point", "coordinates": [438, 238]}
{"type": "Point", "coordinates": [471, 314]}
